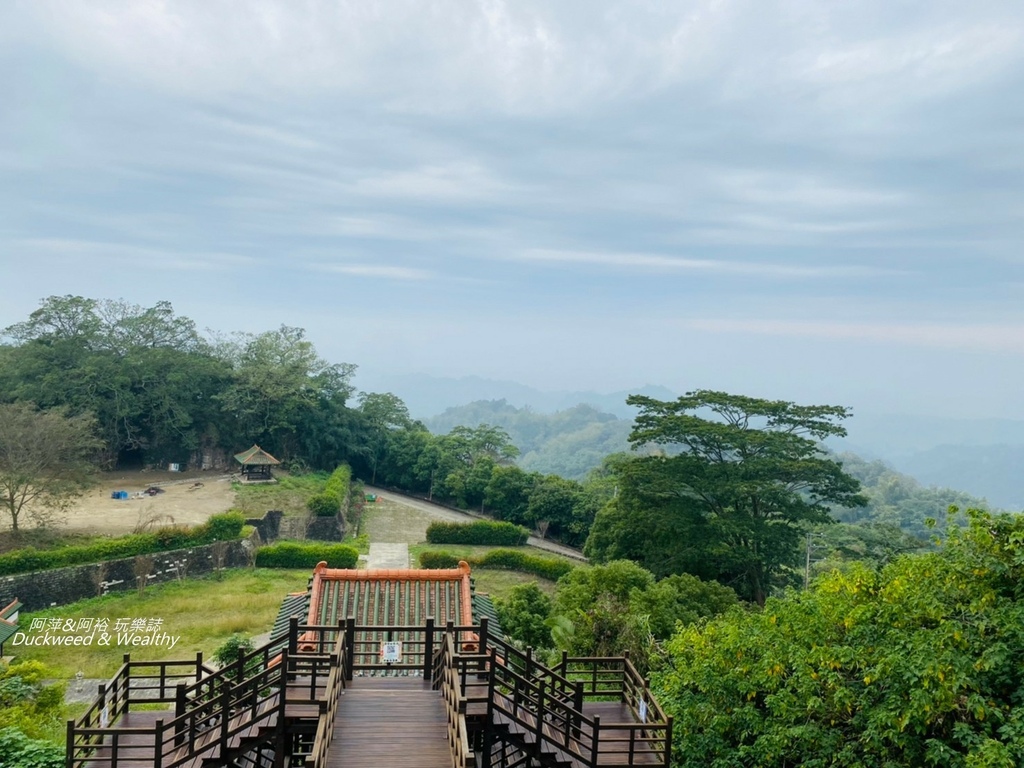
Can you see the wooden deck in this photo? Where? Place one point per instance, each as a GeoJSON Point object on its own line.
{"type": "Point", "coordinates": [396, 722]}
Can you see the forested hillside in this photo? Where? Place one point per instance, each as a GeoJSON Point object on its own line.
{"type": "Point", "coordinates": [570, 442]}
{"type": "Point", "coordinates": [770, 628]}
{"type": "Point", "coordinates": [898, 500]}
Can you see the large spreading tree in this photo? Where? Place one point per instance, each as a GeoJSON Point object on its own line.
{"type": "Point", "coordinates": [724, 489]}
{"type": "Point", "coordinates": [45, 460]}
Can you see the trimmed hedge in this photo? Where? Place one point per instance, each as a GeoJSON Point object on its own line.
{"type": "Point", "coordinates": [298, 554]}
{"type": "Point", "coordinates": [328, 502]}
{"type": "Point", "coordinates": [339, 481]}
{"type": "Point", "coordinates": [223, 527]}
{"type": "Point", "coordinates": [514, 560]}
{"type": "Point", "coordinates": [438, 560]}
{"type": "Point", "coordinates": [507, 559]}
{"type": "Point", "coordinates": [483, 532]}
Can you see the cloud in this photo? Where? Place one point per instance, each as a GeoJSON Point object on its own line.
{"type": "Point", "coordinates": [381, 271]}
{"type": "Point", "coordinates": [98, 254]}
{"type": "Point", "coordinates": [646, 262]}
{"type": "Point", "coordinates": [1002, 337]}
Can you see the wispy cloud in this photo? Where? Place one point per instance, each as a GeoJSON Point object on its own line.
{"type": "Point", "coordinates": [105, 253]}
{"type": "Point", "coordinates": [999, 337]}
{"type": "Point", "coordinates": [646, 262]}
{"type": "Point", "coordinates": [380, 271]}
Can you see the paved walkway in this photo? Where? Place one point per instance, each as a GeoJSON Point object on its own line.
{"type": "Point", "coordinates": [439, 512]}
{"type": "Point", "coordinates": [388, 556]}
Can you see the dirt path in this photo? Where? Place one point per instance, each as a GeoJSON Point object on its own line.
{"type": "Point", "coordinates": [188, 498]}
{"type": "Point", "coordinates": [437, 512]}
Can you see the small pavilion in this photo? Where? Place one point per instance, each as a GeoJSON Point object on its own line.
{"type": "Point", "coordinates": [256, 464]}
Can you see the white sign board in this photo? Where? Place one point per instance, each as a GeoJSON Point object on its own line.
{"type": "Point", "coordinates": [643, 711]}
{"type": "Point", "coordinates": [390, 651]}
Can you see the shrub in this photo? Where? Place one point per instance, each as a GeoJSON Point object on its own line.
{"type": "Point", "coordinates": [19, 751]}
{"type": "Point", "coordinates": [228, 651]}
{"type": "Point", "coordinates": [224, 527]}
{"type": "Point", "coordinates": [484, 532]}
{"type": "Point", "coordinates": [507, 559]}
{"type": "Point", "coordinates": [438, 560]}
{"type": "Point", "coordinates": [515, 560]}
{"type": "Point", "coordinates": [295, 554]}
{"type": "Point", "coordinates": [338, 482]}
{"type": "Point", "coordinates": [326, 504]}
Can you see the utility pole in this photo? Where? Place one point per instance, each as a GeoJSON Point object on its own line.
{"type": "Point", "coordinates": [807, 564]}
{"type": "Point", "coordinates": [807, 561]}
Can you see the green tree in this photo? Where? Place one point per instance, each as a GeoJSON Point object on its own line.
{"type": "Point", "coordinates": [524, 615]}
{"type": "Point", "coordinates": [726, 494]}
{"type": "Point", "coordinates": [279, 383]}
{"type": "Point", "coordinates": [507, 494]}
{"type": "Point", "coordinates": [45, 460]}
{"type": "Point", "coordinates": [384, 414]}
{"type": "Point", "coordinates": [917, 664]}
{"type": "Point", "coordinates": [552, 506]}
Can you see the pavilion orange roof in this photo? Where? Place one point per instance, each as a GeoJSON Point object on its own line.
{"type": "Point", "coordinates": [391, 596]}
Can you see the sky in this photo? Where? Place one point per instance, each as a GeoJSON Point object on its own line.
{"type": "Point", "coordinates": [815, 201]}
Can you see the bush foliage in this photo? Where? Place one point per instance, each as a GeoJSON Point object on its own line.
{"type": "Point", "coordinates": [480, 532]}
{"type": "Point", "coordinates": [298, 554]}
{"type": "Point", "coordinates": [328, 502]}
{"type": "Point", "coordinates": [223, 527]}
{"type": "Point", "coordinates": [438, 560]}
{"type": "Point", "coordinates": [507, 559]}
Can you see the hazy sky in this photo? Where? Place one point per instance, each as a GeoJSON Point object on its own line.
{"type": "Point", "coordinates": [820, 201]}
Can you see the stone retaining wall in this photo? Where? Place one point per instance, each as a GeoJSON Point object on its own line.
{"type": "Point", "coordinates": [60, 586]}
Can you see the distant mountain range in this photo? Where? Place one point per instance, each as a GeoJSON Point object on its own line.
{"type": "Point", "coordinates": [428, 396]}
{"type": "Point", "coordinates": [982, 457]}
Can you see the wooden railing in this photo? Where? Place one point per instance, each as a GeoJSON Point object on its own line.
{"type": "Point", "coordinates": [649, 733]}
{"type": "Point", "coordinates": [536, 716]}
{"type": "Point", "coordinates": [329, 705]}
{"type": "Point", "coordinates": [221, 712]}
{"type": "Point", "coordinates": [447, 679]}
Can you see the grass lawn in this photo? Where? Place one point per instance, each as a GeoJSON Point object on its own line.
{"type": "Point", "coordinates": [289, 494]}
{"type": "Point", "coordinates": [204, 612]}
{"type": "Point", "coordinates": [498, 583]}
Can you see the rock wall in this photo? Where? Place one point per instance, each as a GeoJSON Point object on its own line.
{"type": "Point", "coordinates": [60, 586]}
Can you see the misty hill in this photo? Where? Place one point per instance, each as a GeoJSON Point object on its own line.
{"type": "Point", "coordinates": [991, 470]}
{"type": "Point", "coordinates": [981, 456]}
{"type": "Point", "coordinates": [569, 442]}
{"type": "Point", "coordinates": [900, 500]}
{"type": "Point", "coordinates": [428, 396]}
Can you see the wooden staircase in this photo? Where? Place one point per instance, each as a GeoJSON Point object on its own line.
{"type": "Point", "coordinates": [458, 698]}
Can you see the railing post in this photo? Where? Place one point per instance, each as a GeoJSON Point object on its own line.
{"type": "Point", "coordinates": [596, 739]}
{"type": "Point", "coordinates": [350, 643]}
{"type": "Point", "coordinates": [101, 690]}
{"type": "Point", "coordinates": [539, 725]}
{"type": "Point", "coordinates": [668, 741]}
{"type": "Point", "coordinates": [483, 633]}
{"type": "Point", "coordinates": [158, 744]}
{"type": "Point", "coordinates": [199, 666]}
{"type": "Point", "coordinates": [488, 739]}
{"type": "Point", "coordinates": [577, 706]}
{"type": "Point", "coordinates": [428, 651]}
{"type": "Point", "coordinates": [69, 751]}
{"type": "Point", "coordinates": [564, 666]}
{"type": "Point", "coordinates": [179, 711]}
{"type": "Point", "coordinates": [293, 634]}
{"type": "Point", "coordinates": [282, 702]}
{"type": "Point", "coordinates": [225, 716]}
{"type": "Point", "coordinates": [528, 673]}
